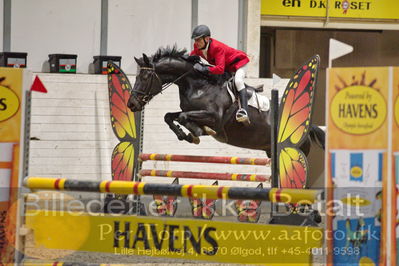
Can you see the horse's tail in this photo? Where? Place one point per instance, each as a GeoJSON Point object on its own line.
{"type": "Point", "coordinates": [317, 135]}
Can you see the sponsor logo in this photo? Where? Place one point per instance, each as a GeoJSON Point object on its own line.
{"type": "Point", "coordinates": [356, 172]}
{"type": "Point", "coordinates": [358, 110]}
{"type": "Point", "coordinates": [9, 103]}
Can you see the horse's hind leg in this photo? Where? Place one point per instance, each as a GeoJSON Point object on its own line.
{"type": "Point", "coordinates": [169, 119]}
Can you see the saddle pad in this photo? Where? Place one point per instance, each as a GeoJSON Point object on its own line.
{"type": "Point", "coordinates": [264, 102]}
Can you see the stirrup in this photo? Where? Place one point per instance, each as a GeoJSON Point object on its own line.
{"type": "Point", "coordinates": [242, 115]}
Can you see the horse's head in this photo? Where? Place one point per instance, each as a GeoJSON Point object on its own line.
{"type": "Point", "coordinates": [147, 85]}
{"type": "Point", "coordinates": [166, 66]}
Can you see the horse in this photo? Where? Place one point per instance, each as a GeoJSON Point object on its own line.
{"type": "Point", "coordinates": [207, 107]}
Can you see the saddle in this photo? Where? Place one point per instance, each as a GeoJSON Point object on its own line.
{"type": "Point", "coordinates": [250, 89]}
{"type": "Point", "coordinates": [260, 102]}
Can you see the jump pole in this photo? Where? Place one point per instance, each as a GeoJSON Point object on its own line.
{"type": "Point", "coordinates": [203, 159]}
{"type": "Point", "coordinates": [205, 175]}
{"type": "Point", "coordinates": [304, 196]}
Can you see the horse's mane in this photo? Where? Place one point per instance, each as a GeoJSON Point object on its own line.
{"type": "Point", "coordinates": [168, 51]}
{"type": "Point", "coordinates": [174, 52]}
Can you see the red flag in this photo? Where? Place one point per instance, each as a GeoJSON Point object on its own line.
{"type": "Point", "coordinates": [38, 86]}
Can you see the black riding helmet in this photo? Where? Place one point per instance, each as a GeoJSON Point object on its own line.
{"type": "Point", "coordinates": [200, 31]}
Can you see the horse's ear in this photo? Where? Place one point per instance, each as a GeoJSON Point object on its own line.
{"type": "Point", "coordinates": [146, 60]}
{"type": "Point", "coordinates": [138, 61]}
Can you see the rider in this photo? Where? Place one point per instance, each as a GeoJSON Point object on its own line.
{"type": "Point", "coordinates": [223, 58]}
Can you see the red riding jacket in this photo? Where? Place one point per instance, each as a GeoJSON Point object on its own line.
{"type": "Point", "coordinates": [223, 57]}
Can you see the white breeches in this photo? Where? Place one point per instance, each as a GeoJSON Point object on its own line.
{"type": "Point", "coordinates": [239, 78]}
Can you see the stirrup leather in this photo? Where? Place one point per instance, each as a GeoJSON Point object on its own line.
{"type": "Point", "coordinates": [241, 115]}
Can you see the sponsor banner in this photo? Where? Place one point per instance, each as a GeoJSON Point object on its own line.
{"type": "Point", "coordinates": [395, 166]}
{"type": "Point", "coordinates": [362, 9]}
{"type": "Point", "coordinates": [358, 145]}
{"type": "Point", "coordinates": [174, 238]}
{"type": "Point", "coordinates": [395, 201]}
{"type": "Point", "coordinates": [11, 98]}
{"type": "Point", "coordinates": [357, 115]}
{"type": "Point", "coordinates": [11, 95]}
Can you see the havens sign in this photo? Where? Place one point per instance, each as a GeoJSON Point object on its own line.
{"type": "Point", "coordinates": [174, 238]}
{"type": "Point", "coordinates": [358, 110]}
{"type": "Point", "coordinates": [9, 103]}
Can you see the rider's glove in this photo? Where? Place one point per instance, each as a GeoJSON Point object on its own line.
{"type": "Point", "coordinates": [201, 69]}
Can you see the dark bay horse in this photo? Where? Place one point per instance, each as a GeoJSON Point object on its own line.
{"type": "Point", "coordinates": [207, 108]}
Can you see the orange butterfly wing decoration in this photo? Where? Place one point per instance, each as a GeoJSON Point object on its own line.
{"type": "Point", "coordinates": [123, 123]}
{"type": "Point", "coordinates": [166, 205]}
{"type": "Point", "coordinates": [203, 208]}
{"type": "Point", "coordinates": [248, 210]}
{"type": "Point", "coordinates": [295, 118]}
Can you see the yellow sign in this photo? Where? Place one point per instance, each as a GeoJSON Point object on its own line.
{"type": "Point", "coordinates": [9, 103]}
{"type": "Point", "coordinates": [11, 95]}
{"type": "Point", "coordinates": [357, 104]}
{"type": "Point", "coordinates": [10, 100]}
{"type": "Point", "coordinates": [364, 9]}
{"type": "Point", "coordinates": [358, 110]}
{"type": "Point", "coordinates": [174, 238]}
{"type": "Point", "coordinates": [395, 165]}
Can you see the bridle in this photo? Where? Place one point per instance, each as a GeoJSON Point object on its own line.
{"type": "Point", "coordinates": [149, 91]}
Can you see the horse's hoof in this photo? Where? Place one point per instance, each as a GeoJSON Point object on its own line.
{"type": "Point", "coordinates": [194, 139]}
{"type": "Point", "coordinates": [209, 131]}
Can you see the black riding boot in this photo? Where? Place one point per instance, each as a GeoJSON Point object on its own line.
{"type": "Point", "coordinates": [242, 113]}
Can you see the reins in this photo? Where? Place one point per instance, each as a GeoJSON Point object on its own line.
{"type": "Point", "coordinates": [170, 83]}
{"type": "Point", "coordinates": [148, 95]}
{"type": "Point", "coordinates": [166, 85]}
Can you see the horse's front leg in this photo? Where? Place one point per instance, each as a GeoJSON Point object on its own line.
{"type": "Point", "coordinates": [169, 119]}
{"type": "Point", "coordinates": [198, 122]}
